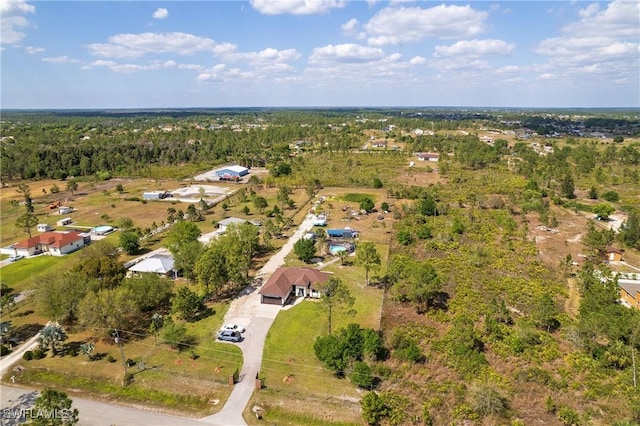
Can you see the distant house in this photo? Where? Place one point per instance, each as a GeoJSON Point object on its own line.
{"type": "Point", "coordinates": [65, 210]}
{"type": "Point", "coordinates": [613, 255]}
{"type": "Point", "coordinates": [428, 156]}
{"type": "Point", "coordinates": [379, 144]}
{"type": "Point", "coordinates": [224, 223]}
{"type": "Point", "coordinates": [232, 171]}
{"type": "Point", "coordinates": [65, 221]}
{"type": "Point", "coordinates": [54, 243]}
{"type": "Point", "coordinates": [287, 282]}
{"type": "Point", "coordinates": [161, 264]}
{"type": "Point", "coordinates": [630, 294]}
{"type": "Point", "coordinates": [43, 227]}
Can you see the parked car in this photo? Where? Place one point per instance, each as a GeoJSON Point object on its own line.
{"type": "Point", "coordinates": [232, 327]}
{"type": "Point", "coordinates": [16, 258]}
{"type": "Point", "coordinates": [229, 336]}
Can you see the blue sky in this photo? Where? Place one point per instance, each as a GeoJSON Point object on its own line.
{"type": "Point", "coordinates": [149, 54]}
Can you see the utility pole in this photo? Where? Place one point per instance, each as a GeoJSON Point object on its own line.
{"type": "Point", "coordinates": [118, 341]}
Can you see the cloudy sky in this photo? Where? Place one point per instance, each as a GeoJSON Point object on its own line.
{"type": "Point", "coordinates": [149, 54]}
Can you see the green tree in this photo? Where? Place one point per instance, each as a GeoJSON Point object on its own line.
{"type": "Point", "coordinates": [545, 313]}
{"type": "Point", "coordinates": [420, 286]}
{"type": "Point", "coordinates": [283, 195]}
{"type": "Point", "coordinates": [567, 187]}
{"type": "Point", "coordinates": [428, 206]}
{"type": "Point", "coordinates": [100, 266]}
{"type": "Point", "coordinates": [603, 211]}
{"type": "Point", "coordinates": [183, 244]}
{"type": "Point", "coordinates": [72, 186]}
{"type": "Point", "coordinates": [335, 296]}
{"type": "Point", "coordinates": [305, 249]}
{"type": "Point", "coordinates": [52, 335]}
{"type": "Point", "coordinates": [157, 321]}
{"type": "Point", "coordinates": [593, 193]}
{"type": "Point", "coordinates": [367, 205]}
{"type": "Point", "coordinates": [630, 230]}
{"type": "Point", "coordinates": [125, 224]}
{"type": "Point", "coordinates": [242, 244]}
{"type": "Point", "coordinates": [129, 242]}
{"type": "Point", "coordinates": [53, 401]}
{"type": "Point", "coordinates": [367, 256]}
{"type": "Point", "coordinates": [24, 189]}
{"type": "Point", "coordinates": [108, 309]}
{"type": "Point", "coordinates": [26, 222]}
{"type": "Point", "coordinates": [186, 304]}
{"type": "Point", "coordinates": [246, 210]}
{"type": "Point", "coordinates": [149, 291]}
{"type": "Point", "coordinates": [211, 268]}
{"type": "Point", "coordinates": [260, 203]}
{"type": "Point", "coordinates": [377, 183]}
{"type": "Point", "coordinates": [610, 196]}
{"type": "Point", "coordinates": [59, 294]}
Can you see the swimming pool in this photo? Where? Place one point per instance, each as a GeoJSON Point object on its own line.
{"type": "Point", "coordinates": [102, 229]}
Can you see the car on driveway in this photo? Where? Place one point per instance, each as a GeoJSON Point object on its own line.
{"type": "Point", "coordinates": [229, 336]}
{"type": "Point", "coordinates": [16, 258]}
{"type": "Point", "coordinates": [232, 327]}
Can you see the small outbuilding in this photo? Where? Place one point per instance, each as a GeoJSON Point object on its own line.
{"type": "Point", "coordinates": [64, 222]}
{"type": "Point", "coordinates": [44, 227]}
{"type": "Point", "coordinates": [65, 210]}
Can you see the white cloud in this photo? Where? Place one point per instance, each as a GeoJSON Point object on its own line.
{"type": "Point", "coordinates": [160, 13]}
{"type": "Point", "coordinates": [33, 50]}
{"type": "Point", "coordinates": [61, 60]}
{"type": "Point", "coordinates": [589, 11]}
{"type": "Point", "coordinates": [13, 20]}
{"type": "Point", "coordinates": [418, 60]}
{"type": "Point", "coordinates": [603, 42]}
{"type": "Point", "coordinates": [475, 48]}
{"type": "Point", "coordinates": [404, 25]}
{"type": "Point", "coordinates": [136, 45]}
{"type": "Point", "coordinates": [350, 26]}
{"type": "Point", "coordinates": [546, 76]}
{"type": "Point", "coordinates": [296, 7]}
{"type": "Point", "coordinates": [345, 53]}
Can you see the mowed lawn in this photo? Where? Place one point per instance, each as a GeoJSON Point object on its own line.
{"type": "Point", "coordinates": [289, 362]}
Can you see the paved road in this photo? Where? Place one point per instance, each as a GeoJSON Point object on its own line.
{"type": "Point", "coordinates": [245, 310]}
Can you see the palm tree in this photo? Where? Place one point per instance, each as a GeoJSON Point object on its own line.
{"type": "Point", "coordinates": [86, 349]}
{"type": "Point", "coordinates": [51, 335]}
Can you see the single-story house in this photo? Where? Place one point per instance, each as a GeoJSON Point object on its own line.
{"type": "Point", "coordinates": [43, 227]}
{"type": "Point", "coordinates": [285, 282]}
{"type": "Point", "coordinates": [428, 156]}
{"type": "Point", "coordinates": [54, 243]}
{"type": "Point", "coordinates": [235, 170]}
{"type": "Point", "coordinates": [65, 221]}
{"type": "Point", "coordinates": [224, 223]}
{"type": "Point", "coordinates": [630, 294]}
{"type": "Point", "coordinates": [161, 264]}
{"type": "Point", "coordinates": [613, 255]}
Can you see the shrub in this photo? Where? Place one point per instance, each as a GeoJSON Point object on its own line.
{"type": "Point", "coordinates": [610, 196]}
{"type": "Point", "coordinates": [130, 362]}
{"type": "Point", "coordinates": [111, 359]}
{"type": "Point", "coordinates": [27, 356]}
{"type": "Point", "coordinates": [487, 400]}
{"type": "Point", "coordinates": [39, 353]}
{"type": "Point", "coordinates": [4, 350]}
{"type": "Point", "coordinates": [361, 375]}
{"type": "Point", "coordinates": [568, 417]}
